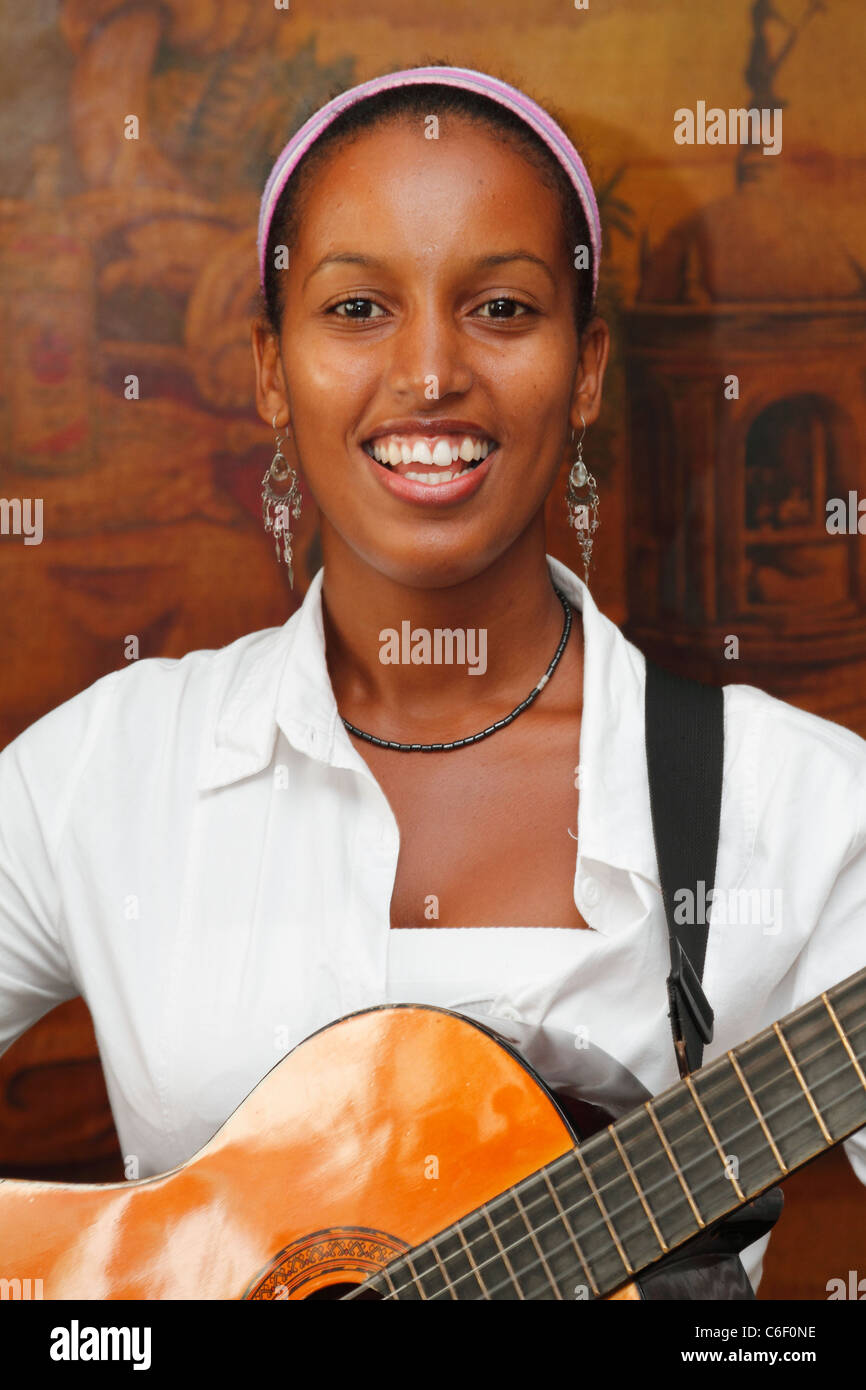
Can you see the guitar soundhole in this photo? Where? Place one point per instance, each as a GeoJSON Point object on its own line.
{"type": "Point", "coordinates": [326, 1264]}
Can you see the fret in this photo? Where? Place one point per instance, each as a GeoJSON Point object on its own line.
{"type": "Point", "coordinates": [554, 1234]}
{"type": "Point", "coordinates": [401, 1280]}
{"type": "Point", "coordinates": [602, 1208]}
{"type": "Point", "coordinates": [657, 1170]}
{"type": "Point", "coordinates": [384, 1274]}
{"type": "Point", "coordinates": [729, 1173]}
{"type": "Point", "coordinates": [803, 1087]}
{"type": "Point", "coordinates": [849, 1002]}
{"type": "Point", "coordinates": [626, 1214]}
{"type": "Point", "coordinates": [699, 1161]}
{"type": "Point", "coordinates": [780, 1096]}
{"type": "Point", "coordinates": [570, 1230]}
{"type": "Point", "coordinates": [427, 1273]}
{"type": "Point", "coordinates": [531, 1276]}
{"type": "Point", "coordinates": [672, 1159]}
{"type": "Point", "coordinates": [459, 1264]}
{"type": "Point", "coordinates": [600, 1258]}
{"type": "Point", "coordinates": [739, 1126]}
{"type": "Point", "coordinates": [452, 1292]}
{"type": "Point", "coordinates": [638, 1189]}
{"type": "Point", "coordinates": [823, 1069]}
{"type": "Point", "coordinates": [757, 1109]}
{"type": "Point", "coordinates": [844, 1039]}
{"type": "Point", "coordinates": [413, 1275]}
{"type": "Point", "coordinates": [514, 1281]}
{"type": "Point", "coordinates": [536, 1243]}
{"type": "Point", "coordinates": [473, 1237]}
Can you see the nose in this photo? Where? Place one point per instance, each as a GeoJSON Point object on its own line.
{"type": "Point", "coordinates": [428, 358]}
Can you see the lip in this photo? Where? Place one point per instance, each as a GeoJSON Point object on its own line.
{"type": "Point", "coordinates": [438, 495]}
{"type": "Point", "coordinates": [429, 429]}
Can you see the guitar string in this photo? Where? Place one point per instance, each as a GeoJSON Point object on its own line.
{"type": "Point", "coordinates": [588, 1200]}
{"type": "Point", "coordinates": [633, 1203]}
{"type": "Point", "coordinates": [568, 1243]}
{"type": "Point", "coordinates": [697, 1129]}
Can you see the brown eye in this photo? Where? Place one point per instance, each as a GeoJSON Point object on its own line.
{"type": "Point", "coordinates": [356, 309]}
{"type": "Point", "coordinates": [505, 307]}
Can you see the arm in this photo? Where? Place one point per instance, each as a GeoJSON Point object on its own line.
{"type": "Point", "coordinates": [38, 774]}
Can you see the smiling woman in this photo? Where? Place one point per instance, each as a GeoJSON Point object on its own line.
{"type": "Point", "coordinates": [321, 818]}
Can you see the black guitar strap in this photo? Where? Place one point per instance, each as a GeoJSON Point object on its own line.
{"type": "Point", "coordinates": [685, 750]}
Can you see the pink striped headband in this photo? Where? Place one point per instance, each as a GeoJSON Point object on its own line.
{"type": "Point", "coordinates": [521, 105]}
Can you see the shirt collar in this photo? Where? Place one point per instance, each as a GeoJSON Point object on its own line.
{"type": "Point", "coordinates": [278, 679]}
{"type": "Point", "coordinates": [614, 827]}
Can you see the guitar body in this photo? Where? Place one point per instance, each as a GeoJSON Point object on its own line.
{"type": "Point", "coordinates": [373, 1135]}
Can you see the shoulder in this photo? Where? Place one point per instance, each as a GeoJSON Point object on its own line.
{"type": "Point", "coordinates": [798, 728]}
{"type": "Point", "coordinates": [806, 769]}
{"type": "Point", "coordinates": [136, 712]}
{"type": "Point", "coordinates": [784, 728]}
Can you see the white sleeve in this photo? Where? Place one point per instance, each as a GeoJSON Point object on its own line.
{"type": "Point", "coordinates": [38, 774]}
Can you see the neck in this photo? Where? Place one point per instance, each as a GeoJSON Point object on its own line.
{"type": "Point", "coordinates": [389, 670]}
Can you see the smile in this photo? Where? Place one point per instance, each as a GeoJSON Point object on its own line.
{"type": "Point", "coordinates": [432, 460]}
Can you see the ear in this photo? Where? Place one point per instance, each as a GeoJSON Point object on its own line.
{"type": "Point", "coordinates": [271, 396]}
{"type": "Point", "coordinates": [593, 355]}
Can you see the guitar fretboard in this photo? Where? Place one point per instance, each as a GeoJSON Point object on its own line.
{"type": "Point", "coordinates": [585, 1224]}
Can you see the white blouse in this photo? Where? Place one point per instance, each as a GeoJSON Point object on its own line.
{"type": "Point", "coordinates": [197, 847]}
{"type": "Point", "coordinates": [455, 966]}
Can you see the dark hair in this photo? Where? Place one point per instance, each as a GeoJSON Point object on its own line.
{"type": "Point", "coordinates": [420, 100]}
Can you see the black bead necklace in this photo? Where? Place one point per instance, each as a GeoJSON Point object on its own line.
{"type": "Point", "coordinates": [491, 728]}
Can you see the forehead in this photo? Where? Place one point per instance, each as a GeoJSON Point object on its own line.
{"type": "Point", "coordinates": [392, 184]}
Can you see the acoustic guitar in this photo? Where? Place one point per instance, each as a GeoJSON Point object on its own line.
{"type": "Point", "coordinates": [413, 1152]}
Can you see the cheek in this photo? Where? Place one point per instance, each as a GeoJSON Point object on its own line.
{"type": "Point", "coordinates": [315, 370]}
{"type": "Point", "coordinates": [532, 373]}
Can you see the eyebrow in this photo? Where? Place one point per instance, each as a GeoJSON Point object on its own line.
{"type": "Point", "coordinates": [373, 263]}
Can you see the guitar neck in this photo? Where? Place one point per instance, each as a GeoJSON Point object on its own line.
{"type": "Point", "coordinates": [604, 1211]}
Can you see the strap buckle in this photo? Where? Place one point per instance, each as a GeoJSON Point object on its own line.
{"type": "Point", "coordinates": [690, 1012]}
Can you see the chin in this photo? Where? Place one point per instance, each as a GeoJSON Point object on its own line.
{"type": "Point", "coordinates": [431, 564]}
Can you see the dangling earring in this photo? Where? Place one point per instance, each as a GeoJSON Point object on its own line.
{"type": "Point", "coordinates": [276, 506]}
{"type": "Point", "coordinates": [583, 516]}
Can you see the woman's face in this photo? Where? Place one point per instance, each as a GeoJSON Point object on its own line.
{"type": "Point", "coordinates": [429, 311]}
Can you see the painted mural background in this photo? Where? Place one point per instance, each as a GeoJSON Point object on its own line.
{"type": "Point", "coordinates": [136, 258]}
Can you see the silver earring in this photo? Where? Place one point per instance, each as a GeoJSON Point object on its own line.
{"type": "Point", "coordinates": [582, 515]}
{"type": "Point", "coordinates": [277, 506]}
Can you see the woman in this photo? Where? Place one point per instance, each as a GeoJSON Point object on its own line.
{"type": "Point", "coordinates": [226, 852]}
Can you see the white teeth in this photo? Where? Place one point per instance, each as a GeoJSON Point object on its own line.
{"type": "Point", "coordinates": [435, 479]}
{"type": "Point", "coordinates": [392, 450]}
